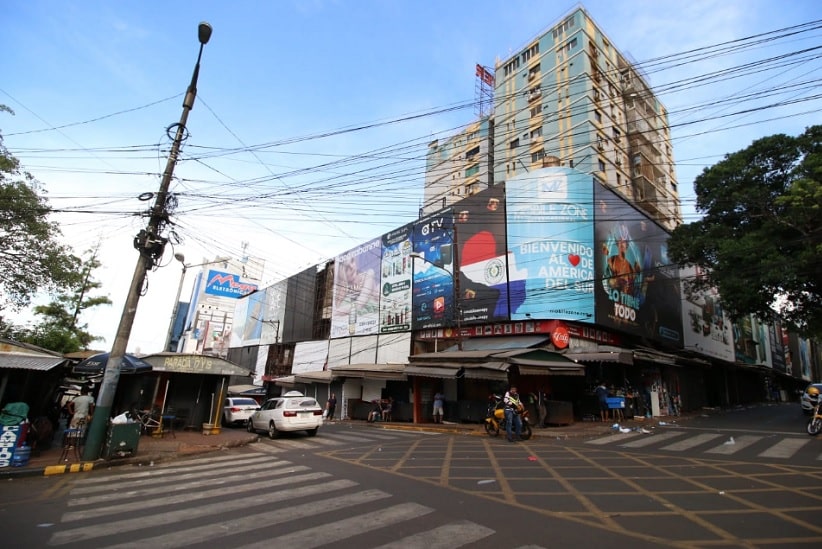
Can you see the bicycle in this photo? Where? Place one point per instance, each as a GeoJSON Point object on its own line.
{"type": "Point", "coordinates": [149, 420]}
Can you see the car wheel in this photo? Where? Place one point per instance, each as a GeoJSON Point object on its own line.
{"type": "Point", "coordinates": [226, 421]}
{"type": "Point", "coordinates": [272, 430]}
{"type": "Point", "coordinates": [313, 432]}
{"type": "Point", "coordinates": [250, 427]}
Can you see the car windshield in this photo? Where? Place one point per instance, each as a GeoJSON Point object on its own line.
{"type": "Point", "coordinates": [301, 403]}
{"type": "Point", "coordinates": [244, 402]}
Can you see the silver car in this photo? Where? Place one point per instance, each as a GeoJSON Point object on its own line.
{"type": "Point", "coordinates": [291, 412]}
{"type": "Point", "coordinates": [238, 409]}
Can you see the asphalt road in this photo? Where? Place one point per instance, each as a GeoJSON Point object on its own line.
{"type": "Point", "coordinates": [352, 486]}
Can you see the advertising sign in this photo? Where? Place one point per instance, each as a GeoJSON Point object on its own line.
{"type": "Point", "coordinates": [395, 281]}
{"type": "Point", "coordinates": [433, 287]}
{"type": "Point", "coordinates": [551, 243]}
{"type": "Point", "coordinates": [706, 328]}
{"type": "Point", "coordinates": [272, 326]}
{"type": "Point", "coordinates": [480, 238]}
{"type": "Point", "coordinates": [356, 291]}
{"type": "Point", "coordinates": [637, 285]}
{"type": "Point", "coordinates": [227, 285]}
{"type": "Point", "coordinates": [751, 341]}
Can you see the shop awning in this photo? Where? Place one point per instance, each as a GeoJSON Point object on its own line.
{"type": "Point", "coordinates": [42, 363]}
{"type": "Point", "coordinates": [321, 376]}
{"type": "Point", "coordinates": [551, 371]}
{"type": "Point", "coordinates": [186, 363]}
{"type": "Point", "coordinates": [388, 371]}
{"type": "Point", "coordinates": [621, 357]}
{"type": "Point", "coordinates": [431, 371]}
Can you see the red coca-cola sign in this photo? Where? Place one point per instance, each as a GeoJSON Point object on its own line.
{"type": "Point", "coordinates": [560, 337]}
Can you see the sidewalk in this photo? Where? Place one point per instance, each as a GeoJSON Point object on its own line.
{"type": "Point", "coordinates": [152, 449]}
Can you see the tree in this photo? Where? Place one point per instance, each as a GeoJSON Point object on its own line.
{"type": "Point", "coordinates": [59, 329]}
{"type": "Point", "coordinates": [760, 238]}
{"type": "Point", "coordinates": [31, 257]}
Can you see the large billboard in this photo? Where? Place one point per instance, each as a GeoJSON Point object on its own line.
{"type": "Point", "coordinates": [227, 285]}
{"type": "Point", "coordinates": [356, 291]}
{"type": "Point", "coordinates": [272, 323]}
{"type": "Point", "coordinates": [433, 286]}
{"type": "Point", "coordinates": [637, 285]}
{"type": "Point", "coordinates": [395, 281]}
{"type": "Point", "coordinates": [551, 243]}
{"type": "Point", "coordinates": [751, 341]}
{"type": "Point", "coordinates": [479, 233]}
{"type": "Point", "coordinates": [707, 330]}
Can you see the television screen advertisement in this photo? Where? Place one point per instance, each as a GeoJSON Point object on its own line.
{"type": "Point", "coordinates": [637, 285]}
{"type": "Point", "coordinates": [395, 281]}
{"type": "Point", "coordinates": [356, 291]}
{"type": "Point", "coordinates": [433, 281]}
{"type": "Point", "coordinates": [480, 238]}
{"type": "Point", "coordinates": [551, 242]}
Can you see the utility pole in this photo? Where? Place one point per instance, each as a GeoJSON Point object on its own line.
{"type": "Point", "coordinates": [150, 244]}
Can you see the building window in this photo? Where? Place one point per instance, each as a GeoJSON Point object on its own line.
{"type": "Point", "coordinates": [471, 188]}
{"type": "Point", "coordinates": [536, 110]}
{"type": "Point", "coordinates": [536, 132]}
{"type": "Point", "coordinates": [601, 165]}
{"type": "Point", "coordinates": [537, 156]}
{"type": "Point", "coordinates": [473, 170]}
{"type": "Point", "coordinates": [472, 153]}
{"type": "Point", "coordinates": [514, 144]}
{"type": "Point", "coordinates": [598, 116]}
{"type": "Point", "coordinates": [571, 163]}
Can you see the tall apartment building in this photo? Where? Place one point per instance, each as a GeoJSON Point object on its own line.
{"type": "Point", "coordinates": [459, 166]}
{"type": "Point", "coordinates": [568, 98]}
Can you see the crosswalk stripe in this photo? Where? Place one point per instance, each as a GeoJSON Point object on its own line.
{"type": "Point", "coordinates": [691, 442]}
{"type": "Point", "coordinates": [612, 438]}
{"type": "Point", "coordinates": [456, 534]}
{"type": "Point", "coordinates": [346, 528]}
{"type": "Point", "coordinates": [188, 466]}
{"type": "Point", "coordinates": [293, 444]}
{"type": "Point", "coordinates": [236, 491]}
{"type": "Point", "coordinates": [121, 483]}
{"type": "Point", "coordinates": [740, 443]}
{"type": "Point", "coordinates": [651, 439]}
{"type": "Point", "coordinates": [116, 493]}
{"type": "Point", "coordinates": [784, 448]}
{"type": "Point", "coordinates": [212, 532]}
{"type": "Point", "coordinates": [102, 529]}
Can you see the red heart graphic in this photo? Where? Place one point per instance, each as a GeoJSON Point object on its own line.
{"type": "Point", "coordinates": [573, 259]}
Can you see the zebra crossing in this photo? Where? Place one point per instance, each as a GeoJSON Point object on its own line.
{"type": "Point", "coordinates": [217, 500]}
{"type": "Point", "coordinates": [762, 446]}
{"type": "Point", "coordinates": [330, 437]}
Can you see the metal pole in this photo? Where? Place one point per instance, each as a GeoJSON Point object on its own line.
{"type": "Point", "coordinates": [176, 308]}
{"type": "Point", "coordinates": [111, 376]}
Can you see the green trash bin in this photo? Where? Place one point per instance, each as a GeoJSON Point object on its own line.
{"type": "Point", "coordinates": [122, 440]}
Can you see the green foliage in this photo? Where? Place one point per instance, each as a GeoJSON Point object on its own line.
{"type": "Point", "coordinates": [31, 257]}
{"type": "Point", "coordinates": [59, 329]}
{"type": "Point", "coordinates": [760, 238]}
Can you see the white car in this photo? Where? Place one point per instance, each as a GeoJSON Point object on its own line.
{"type": "Point", "coordinates": [238, 410]}
{"type": "Point", "coordinates": [290, 412]}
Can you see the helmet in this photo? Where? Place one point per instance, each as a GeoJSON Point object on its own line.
{"type": "Point", "coordinates": [813, 391]}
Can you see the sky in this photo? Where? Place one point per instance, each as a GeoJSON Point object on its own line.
{"type": "Point", "coordinates": [312, 119]}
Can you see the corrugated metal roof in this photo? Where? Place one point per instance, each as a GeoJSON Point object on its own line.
{"type": "Point", "coordinates": [25, 361]}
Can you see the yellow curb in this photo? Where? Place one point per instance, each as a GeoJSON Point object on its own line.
{"type": "Point", "coordinates": [71, 468]}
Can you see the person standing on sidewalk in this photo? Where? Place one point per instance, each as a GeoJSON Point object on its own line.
{"type": "Point", "coordinates": [331, 405]}
{"type": "Point", "coordinates": [439, 398]}
{"type": "Point", "coordinates": [513, 407]}
{"type": "Point", "coordinates": [602, 396]}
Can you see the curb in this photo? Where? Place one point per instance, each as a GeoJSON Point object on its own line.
{"type": "Point", "coordinates": [100, 464]}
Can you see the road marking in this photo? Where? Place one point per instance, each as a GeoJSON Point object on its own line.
{"type": "Point", "coordinates": [651, 439]}
{"type": "Point", "coordinates": [102, 529]}
{"type": "Point", "coordinates": [345, 528]}
{"type": "Point", "coordinates": [236, 491]}
{"type": "Point", "coordinates": [740, 443]}
{"type": "Point", "coordinates": [456, 534]}
{"type": "Point", "coordinates": [690, 442]}
{"type": "Point", "coordinates": [612, 438]}
{"type": "Point", "coordinates": [785, 448]}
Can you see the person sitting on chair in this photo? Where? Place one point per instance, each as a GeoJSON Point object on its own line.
{"type": "Point", "coordinates": [387, 404]}
{"type": "Point", "coordinates": [376, 411]}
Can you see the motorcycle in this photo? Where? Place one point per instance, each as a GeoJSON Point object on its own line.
{"type": "Point", "coordinates": [495, 418]}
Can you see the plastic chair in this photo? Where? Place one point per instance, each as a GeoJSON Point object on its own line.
{"type": "Point", "coordinates": [72, 440]}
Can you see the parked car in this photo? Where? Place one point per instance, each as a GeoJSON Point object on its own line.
{"type": "Point", "coordinates": [809, 401]}
{"type": "Point", "coordinates": [291, 412]}
{"type": "Point", "coordinates": [238, 409]}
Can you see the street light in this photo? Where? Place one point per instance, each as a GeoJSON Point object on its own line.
{"type": "Point", "coordinates": [455, 285]}
{"type": "Point", "coordinates": [151, 244]}
{"type": "Point", "coordinates": [182, 259]}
